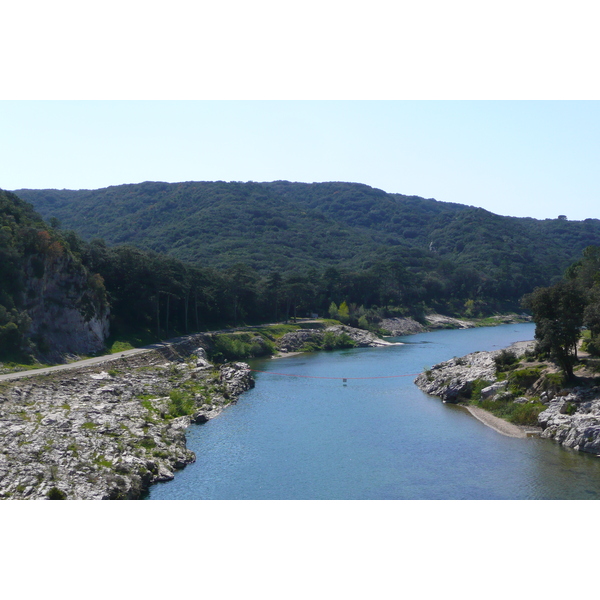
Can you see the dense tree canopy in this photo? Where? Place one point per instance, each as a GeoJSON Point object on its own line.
{"type": "Point", "coordinates": [200, 255]}
{"type": "Point", "coordinates": [561, 311]}
{"type": "Point", "coordinates": [449, 250]}
{"type": "Point", "coordinates": [558, 314]}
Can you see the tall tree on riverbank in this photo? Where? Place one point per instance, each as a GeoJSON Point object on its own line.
{"type": "Point", "coordinates": [558, 314]}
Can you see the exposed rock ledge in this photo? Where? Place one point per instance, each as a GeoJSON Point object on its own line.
{"type": "Point", "coordinates": [453, 379]}
{"type": "Point", "coordinates": [397, 326]}
{"type": "Point", "coordinates": [109, 431]}
{"type": "Point", "coordinates": [573, 419]}
{"type": "Point", "coordinates": [296, 341]}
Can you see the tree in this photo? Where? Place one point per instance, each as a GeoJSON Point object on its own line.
{"type": "Point", "coordinates": [274, 282]}
{"type": "Point", "coordinates": [558, 315]}
{"type": "Point", "coordinates": [333, 311]}
{"type": "Point", "coordinates": [343, 312]}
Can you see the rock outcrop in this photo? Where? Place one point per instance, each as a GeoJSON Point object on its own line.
{"type": "Point", "coordinates": [66, 305]}
{"type": "Point", "coordinates": [435, 321]}
{"type": "Point", "coordinates": [572, 416]}
{"type": "Point", "coordinates": [573, 419]}
{"type": "Point", "coordinates": [313, 339]}
{"type": "Point", "coordinates": [401, 326]}
{"type": "Point", "coordinates": [109, 432]}
{"type": "Point", "coordinates": [453, 379]}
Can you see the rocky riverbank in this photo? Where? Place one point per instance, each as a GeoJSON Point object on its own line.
{"type": "Point", "coordinates": [568, 415]}
{"type": "Point", "coordinates": [573, 419]}
{"type": "Point", "coordinates": [453, 379]}
{"type": "Point", "coordinates": [397, 326]}
{"type": "Point", "coordinates": [335, 336]}
{"type": "Point", "coordinates": [110, 431]}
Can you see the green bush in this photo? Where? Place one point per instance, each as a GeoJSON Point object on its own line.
{"type": "Point", "coordinates": [571, 408]}
{"type": "Point", "coordinates": [56, 494]}
{"type": "Point", "coordinates": [505, 360]}
{"type": "Point", "coordinates": [519, 381]}
{"type": "Point", "coordinates": [240, 347]}
{"type": "Point", "coordinates": [181, 404]}
{"type": "Point", "coordinates": [477, 386]}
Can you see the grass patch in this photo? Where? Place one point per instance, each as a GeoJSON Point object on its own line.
{"type": "Point", "coordinates": [553, 382]}
{"type": "Point", "coordinates": [127, 340]}
{"type": "Point", "coordinates": [477, 386]}
{"type": "Point", "coordinates": [181, 404]}
{"type": "Point", "coordinates": [519, 381]}
{"type": "Point", "coordinates": [516, 413]}
{"type": "Point", "coordinates": [274, 332]}
{"type": "Point", "coordinates": [147, 443]}
{"type": "Point", "coordinates": [240, 346]}
{"type": "Point", "coordinates": [101, 461]}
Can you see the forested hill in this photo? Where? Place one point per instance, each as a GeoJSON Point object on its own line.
{"type": "Point", "coordinates": [289, 226]}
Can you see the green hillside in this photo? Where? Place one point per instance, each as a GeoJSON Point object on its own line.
{"type": "Point", "coordinates": [287, 226]}
{"type": "Point", "coordinates": [445, 250]}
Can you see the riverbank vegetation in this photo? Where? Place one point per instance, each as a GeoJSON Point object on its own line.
{"type": "Point", "coordinates": [568, 313]}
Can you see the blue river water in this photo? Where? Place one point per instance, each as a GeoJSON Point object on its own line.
{"type": "Point", "coordinates": [310, 438]}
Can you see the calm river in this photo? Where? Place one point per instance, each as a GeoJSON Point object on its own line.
{"type": "Point", "coordinates": [303, 438]}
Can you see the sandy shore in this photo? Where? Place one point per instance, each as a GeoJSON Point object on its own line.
{"type": "Point", "coordinates": [500, 425]}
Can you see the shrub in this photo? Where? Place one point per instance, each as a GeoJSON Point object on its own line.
{"type": "Point", "coordinates": [552, 382]}
{"type": "Point", "coordinates": [526, 414]}
{"type": "Point", "coordinates": [519, 381]}
{"type": "Point", "coordinates": [148, 443]}
{"type": "Point", "coordinates": [240, 347]}
{"type": "Point", "coordinates": [476, 388]}
{"type": "Point", "coordinates": [56, 494]}
{"type": "Point", "coordinates": [363, 323]}
{"type": "Point", "coordinates": [592, 346]}
{"type": "Point", "coordinates": [181, 404]}
{"type": "Point", "coordinates": [571, 408]}
{"type": "Point", "coordinates": [505, 360]}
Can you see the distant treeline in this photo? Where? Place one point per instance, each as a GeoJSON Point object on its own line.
{"type": "Point", "coordinates": [161, 293]}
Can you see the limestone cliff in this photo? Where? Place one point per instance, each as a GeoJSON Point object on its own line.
{"type": "Point", "coordinates": [67, 307]}
{"type": "Point", "coordinates": [50, 305]}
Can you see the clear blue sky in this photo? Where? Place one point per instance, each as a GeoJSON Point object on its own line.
{"type": "Point", "coordinates": [519, 158]}
{"type": "Point", "coordinates": [478, 103]}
